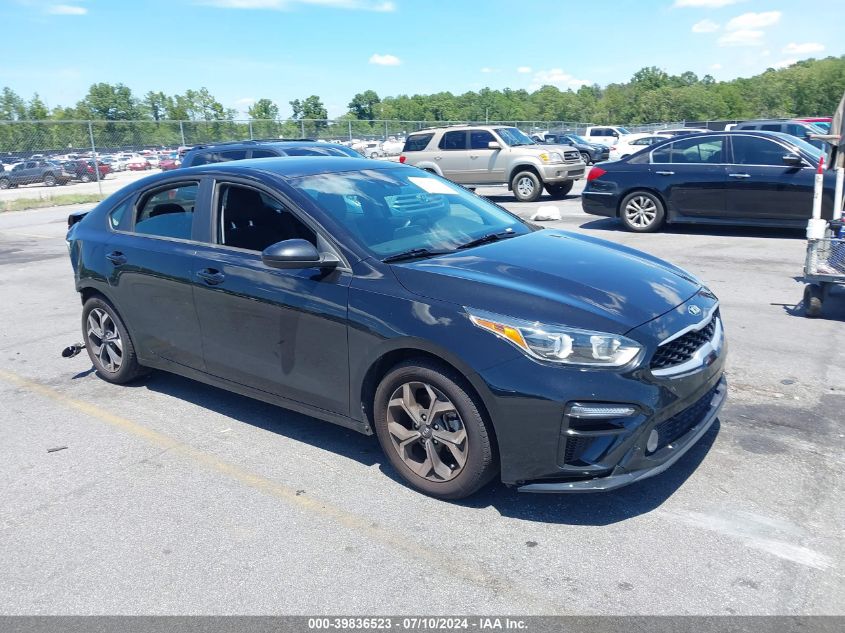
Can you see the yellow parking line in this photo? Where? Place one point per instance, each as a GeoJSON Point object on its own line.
{"type": "Point", "coordinates": [452, 564]}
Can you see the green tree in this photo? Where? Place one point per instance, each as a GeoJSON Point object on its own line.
{"type": "Point", "coordinates": [363, 105]}
{"type": "Point", "coordinates": [264, 109]}
{"type": "Point", "coordinates": [109, 102]}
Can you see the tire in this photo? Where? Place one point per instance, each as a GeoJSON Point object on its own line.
{"type": "Point", "coordinates": [4, 183]}
{"type": "Point", "coordinates": [642, 212]}
{"type": "Point", "coordinates": [558, 191]}
{"type": "Point", "coordinates": [813, 299]}
{"type": "Point", "coordinates": [526, 186]}
{"type": "Point", "coordinates": [374, 155]}
{"type": "Point", "coordinates": [50, 180]}
{"type": "Point", "coordinates": [586, 158]}
{"type": "Point", "coordinates": [411, 439]}
{"type": "Point", "coordinates": [108, 344]}
{"type": "Point", "coordinates": [86, 177]}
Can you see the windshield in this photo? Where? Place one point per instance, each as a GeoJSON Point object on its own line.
{"type": "Point", "coordinates": [622, 131]}
{"type": "Point", "coordinates": [577, 139]}
{"type": "Point", "coordinates": [396, 210]}
{"type": "Point", "coordinates": [824, 126]}
{"type": "Point", "coordinates": [514, 137]}
{"type": "Point", "coordinates": [812, 150]}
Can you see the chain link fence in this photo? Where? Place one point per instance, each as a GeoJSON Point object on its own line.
{"type": "Point", "coordinates": [23, 139]}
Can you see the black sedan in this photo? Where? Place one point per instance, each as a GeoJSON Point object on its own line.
{"type": "Point", "coordinates": [743, 178]}
{"type": "Point", "coordinates": [590, 152]}
{"type": "Point", "coordinates": [390, 301]}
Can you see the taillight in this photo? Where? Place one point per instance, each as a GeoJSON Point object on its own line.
{"type": "Point", "coordinates": [402, 158]}
{"type": "Point", "coordinates": [612, 147]}
{"type": "Point", "coordinates": [596, 172]}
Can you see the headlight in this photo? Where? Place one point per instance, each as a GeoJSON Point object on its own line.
{"type": "Point", "coordinates": [551, 157]}
{"type": "Point", "coordinates": [556, 344]}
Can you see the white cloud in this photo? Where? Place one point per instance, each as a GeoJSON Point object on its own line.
{"type": "Point", "coordinates": [66, 9]}
{"type": "Point", "coordinates": [705, 26]}
{"type": "Point", "coordinates": [707, 4]}
{"type": "Point", "coordinates": [524, 69]}
{"type": "Point", "coordinates": [742, 38]}
{"type": "Point", "coordinates": [784, 63]}
{"type": "Point", "coordinates": [385, 60]}
{"type": "Point", "coordinates": [803, 49]}
{"type": "Point", "coordinates": [748, 21]}
{"type": "Point", "coordinates": [382, 6]}
{"type": "Point", "coordinates": [556, 77]}
{"type": "Point", "coordinates": [487, 69]}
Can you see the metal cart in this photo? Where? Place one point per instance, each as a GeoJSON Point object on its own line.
{"type": "Point", "coordinates": [824, 267]}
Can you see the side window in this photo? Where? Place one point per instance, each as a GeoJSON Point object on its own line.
{"type": "Point", "coordinates": [692, 150]}
{"type": "Point", "coordinates": [233, 154]}
{"type": "Point", "coordinates": [19, 167]}
{"type": "Point", "coordinates": [662, 154]}
{"type": "Point", "coordinates": [454, 140]}
{"type": "Point", "coordinates": [117, 214]}
{"type": "Point", "coordinates": [641, 141]}
{"type": "Point", "coordinates": [795, 130]}
{"type": "Point", "coordinates": [32, 164]}
{"type": "Point", "coordinates": [771, 127]}
{"type": "Point", "coordinates": [263, 153]}
{"type": "Point", "coordinates": [417, 142]}
{"type": "Point", "coordinates": [478, 139]}
{"type": "Point", "coordinates": [750, 150]}
{"type": "Point", "coordinates": [250, 219]}
{"type": "Point", "coordinates": [201, 159]}
{"type": "Point", "coordinates": [168, 212]}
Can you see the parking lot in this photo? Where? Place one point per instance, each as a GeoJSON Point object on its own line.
{"type": "Point", "coordinates": [171, 497]}
{"type": "Point", "coordinates": [111, 183]}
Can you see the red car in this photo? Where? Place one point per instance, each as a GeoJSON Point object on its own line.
{"type": "Point", "coordinates": [166, 164]}
{"type": "Point", "coordinates": [83, 170]}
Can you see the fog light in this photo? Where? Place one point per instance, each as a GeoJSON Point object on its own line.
{"type": "Point", "coordinates": [600, 411]}
{"type": "Point", "coordinates": [651, 443]}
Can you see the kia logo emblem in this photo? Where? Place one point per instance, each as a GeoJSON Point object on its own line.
{"type": "Point", "coordinates": [694, 310]}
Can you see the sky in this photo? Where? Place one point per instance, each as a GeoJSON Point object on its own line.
{"type": "Point", "coordinates": [244, 50]}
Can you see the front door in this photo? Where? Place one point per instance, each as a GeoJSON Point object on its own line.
{"type": "Point", "coordinates": [151, 257]}
{"type": "Point", "coordinates": [485, 164]}
{"type": "Point", "coordinates": [761, 186]}
{"type": "Point", "coordinates": [280, 331]}
{"type": "Point", "coordinates": [690, 175]}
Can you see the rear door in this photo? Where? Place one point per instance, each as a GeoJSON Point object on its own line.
{"type": "Point", "coordinates": [151, 259]}
{"type": "Point", "coordinates": [279, 331]}
{"type": "Point", "coordinates": [761, 186]}
{"type": "Point", "coordinates": [485, 164]}
{"type": "Point", "coordinates": [452, 156]}
{"type": "Point", "coordinates": [690, 174]}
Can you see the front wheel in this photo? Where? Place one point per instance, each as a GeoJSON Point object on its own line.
{"type": "Point", "coordinates": [526, 186]}
{"type": "Point", "coordinates": [432, 430]}
{"type": "Point", "coordinates": [641, 212]}
{"type": "Point", "coordinates": [50, 180]}
{"type": "Point", "coordinates": [813, 299]}
{"type": "Point", "coordinates": [4, 183]}
{"type": "Point", "coordinates": [586, 158]}
{"type": "Point", "coordinates": [560, 190]}
{"type": "Point", "coordinates": [108, 344]}
{"type": "Point", "coordinates": [85, 178]}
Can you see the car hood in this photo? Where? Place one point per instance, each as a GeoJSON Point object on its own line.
{"type": "Point", "coordinates": [554, 277]}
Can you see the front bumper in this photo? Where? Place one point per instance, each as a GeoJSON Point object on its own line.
{"type": "Point", "coordinates": [649, 467]}
{"type": "Point", "coordinates": [562, 172]}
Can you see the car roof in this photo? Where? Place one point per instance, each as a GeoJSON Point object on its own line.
{"type": "Point", "coordinates": [297, 166]}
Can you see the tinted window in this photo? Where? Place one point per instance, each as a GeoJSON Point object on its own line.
{"type": "Point", "coordinates": [796, 130]}
{"type": "Point", "coordinates": [250, 219]}
{"type": "Point", "coordinates": [454, 140]}
{"type": "Point", "coordinates": [750, 150]}
{"type": "Point", "coordinates": [117, 214]}
{"type": "Point", "coordinates": [316, 150]}
{"type": "Point", "coordinates": [478, 139]}
{"type": "Point", "coordinates": [264, 153]}
{"type": "Point", "coordinates": [417, 142]}
{"type": "Point", "coordinates": [597, 132]}
{"type": "Point", "coordinates": [218, 157]}
{"type": "Point", "coordinates": [168, 212]}
{"type": "Point", "coordinates": [691, 150]}
{"type": "Point", "coordinates": [771, 127]}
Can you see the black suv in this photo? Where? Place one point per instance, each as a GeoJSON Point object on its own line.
{"type": "Point", "coordinates": [590, 152]}
{"type": "Point", "coordinates": [798, 129]}
{"type": "Point", "coordinates": [240, 150]}
{"type": "Point", "coordinates": [35, 171]}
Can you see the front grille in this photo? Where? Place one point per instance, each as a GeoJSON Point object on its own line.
{"type": "Point", "coordinates": [684, 347]}
{"type": "Point", "coordinates": [571, 157]}
{"type": "Point", "coordinates": [670, 430]}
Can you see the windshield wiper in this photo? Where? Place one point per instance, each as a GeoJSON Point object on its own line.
{"type": "Point", "coordinates": [490, 237]}
{"type": "Point", "coordinates": [414, 253]}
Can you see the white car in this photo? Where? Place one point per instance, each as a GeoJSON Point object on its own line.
{"type": "Point", "coordinates": [633, 143]}
{"type": "Point", "coordinates": [393, 147]}
{"type": "Point", "coordinates": [605, 134]}
{"type": "Point", "coordinates": [369, 149]}
{"type": "Point", "coordinates": [153, 160]}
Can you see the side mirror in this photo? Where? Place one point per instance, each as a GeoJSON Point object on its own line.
{"type": "Point", "coordinates": [292, 254]}
{"type": "Point", "coordinates": [494, 145]}
{"type": "Point", "coordinates": [793, 159]}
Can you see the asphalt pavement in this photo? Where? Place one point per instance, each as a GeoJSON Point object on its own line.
{"type": "Point", "coordinates": [171, 497]}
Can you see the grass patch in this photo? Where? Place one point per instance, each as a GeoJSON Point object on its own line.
{"type": "Point", "coordinates": [23, 204]}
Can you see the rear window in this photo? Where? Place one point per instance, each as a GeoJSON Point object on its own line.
{"type": "Point", "coordinates": [417, 142]}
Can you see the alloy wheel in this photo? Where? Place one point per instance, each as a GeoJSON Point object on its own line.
{"type": "Point", "coordinates": [427, 432]}
{"type": "Point", "coordinates": [104, 340]}
{"type": "Point", "coordinates": [525, 186]}
{"type": "Point", "coordinates": [641, 211]}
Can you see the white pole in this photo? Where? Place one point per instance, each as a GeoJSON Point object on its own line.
{"type": "Point", "coordinates": [817, 191]}
{"type": "Point", "coordinates": [837, 193]}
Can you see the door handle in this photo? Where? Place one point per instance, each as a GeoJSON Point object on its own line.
{"type": "Point", "coordinates": [473, 155]}
{"type": "Point", "coordinates": [665, 173]}
{"type": "Point", "coordinates": [437, 157]}
{"type": "Point", "coordinates": [116, 257]}
{"type": "Point", "coordinates": [210, 276]}
{"type": "Point", "coordinates": [740, 175]}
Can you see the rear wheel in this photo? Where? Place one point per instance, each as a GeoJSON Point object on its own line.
{"type": "Point", "coordinates": [432, 430]}
{"type": "Point", "coordinates": [4, 183]}
{"type": "Point", "coordinates": [526, 186]}
{"type": "Point", "coordinates": [85, 177]}
{"type": "Point", "coordinates": [813, 299]}
{"type": "Point", "coordinates": [560, 190]}
{"type": "Point", "coordinates": [641, 212]}
{"type": "Point", "coordinates": [50, 180]}
{"type": "Point", "coordinates": [108, 344]}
